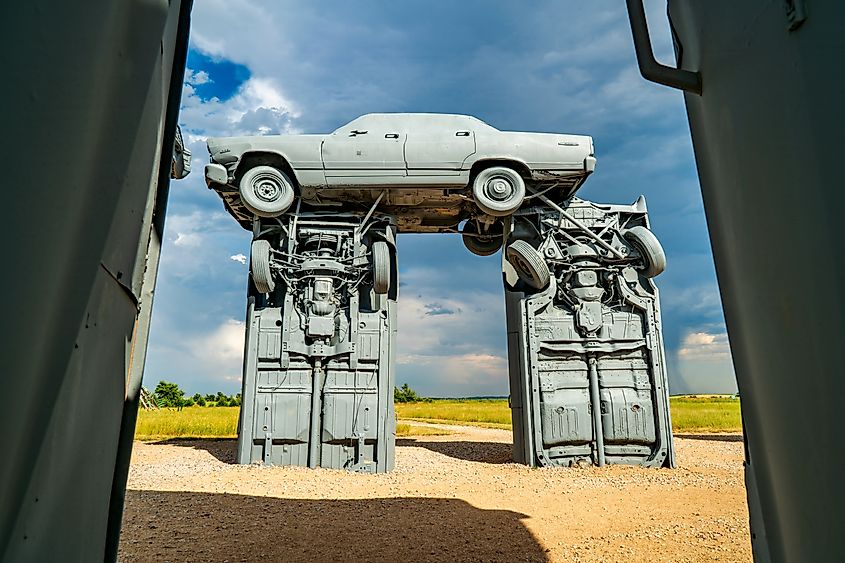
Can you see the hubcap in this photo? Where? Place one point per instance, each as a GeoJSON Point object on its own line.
{"type": "Point", "coordinates": [499, 189]}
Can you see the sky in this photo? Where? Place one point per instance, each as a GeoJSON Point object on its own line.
{"type": "Point", "coordinates": [287, 67]}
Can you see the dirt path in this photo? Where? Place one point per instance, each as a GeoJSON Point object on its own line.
{"type": "Point", "coordinates": [451, 498]}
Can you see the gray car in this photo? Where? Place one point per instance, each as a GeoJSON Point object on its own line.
{"type": "Point", "coordinates": [431, 171]}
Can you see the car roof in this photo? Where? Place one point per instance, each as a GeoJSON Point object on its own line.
{"type": "Point", "coordinates": [413, 120]}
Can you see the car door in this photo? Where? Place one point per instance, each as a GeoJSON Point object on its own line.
{"type": "Point", "coordinates": [439, 145]}
{"type": "Point", "coordinates": [366, 151]}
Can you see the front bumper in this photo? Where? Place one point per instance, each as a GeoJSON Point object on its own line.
{"type": "Point", "coordinates": [216, 174]}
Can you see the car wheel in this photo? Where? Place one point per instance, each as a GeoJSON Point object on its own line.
{"type": "Point", "coordinates": [485, 245]}
{"type": "Point", "coordinates": [650, 249]}
{"type": "Point", "coordinates": [498, 191]}
{"type": "Point", "coordinates": [529, 264]}
{"type": "Point", "coordinates": [381, 267]}
{"type": "Point", "coordinates": [259, 265]}
{"type": "Point", "coordinates": [266, 191]}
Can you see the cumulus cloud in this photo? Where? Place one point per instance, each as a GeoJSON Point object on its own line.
{"type": "Point", "coordinates": [705, 346]}
{"type": "Point", "coordinates": [240, 258]}
{"type": "Point", "coordinates": [257, 108]}
{"type": "Point", "coordinates": [196, 78]}
{"type": "Point", "coordinates": [194, 243]}
{"type": "Point", "coordinates": [452, 345]}
{"type": "Point", "coordinates": [220, 352]}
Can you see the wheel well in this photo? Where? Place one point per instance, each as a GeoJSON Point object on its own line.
{"type": "Point", "coordinates": [252, 159]}
{"type": "Point", "coordinates": [480, 165]}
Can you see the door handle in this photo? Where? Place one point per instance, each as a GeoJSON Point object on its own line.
{"type": "Point", "coordinates": [462, 134]}
{"type": "Point", "coordinates": [356, 132]}
{"type": "Point", "coordinates": [391, 136]}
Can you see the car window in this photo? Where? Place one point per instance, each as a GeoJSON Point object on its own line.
{"type": "Point", "coordinates": [375, 123]}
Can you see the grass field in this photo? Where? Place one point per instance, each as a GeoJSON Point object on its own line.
{"type": "Point", "coordinates": [492, 413]}
{"type": "Point", "coordinates": [220, 422]}
{"type": "Point", "coordinates": [190, 422]}
{"type": "Point", "coordinates": [690, 414]}
{"type": "Point", "coordinates": [705, 413]}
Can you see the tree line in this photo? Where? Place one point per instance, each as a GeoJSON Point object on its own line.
{"type": "Point", "coordinates": [169, 394]}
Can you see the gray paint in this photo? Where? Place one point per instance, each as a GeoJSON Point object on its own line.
{"type": "Point", "coordinates": [582, 391]}
{"type": "Point", "coordinates": [318, 365]}
{"type": "Point", "coordinates": [426, 161]}
{"type": "Point", "coordinates": [767, 134]}
{"type": "Point", "coordinates": [587, 364]}
{"type": "Point", "coordinates": [87, 231]}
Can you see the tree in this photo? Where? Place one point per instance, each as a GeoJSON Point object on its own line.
{"type": "Point", "coordinates": [169, 394]}
{"type": "Point", "coordinates": [407, 395]}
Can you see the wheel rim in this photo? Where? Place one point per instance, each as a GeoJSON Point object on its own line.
{"type": "Point", "coordinates": [499, 188]}
{"type": "Point", "coordinates": [267, 188]}
{"type": "Point", "coordinates": [523, 267]}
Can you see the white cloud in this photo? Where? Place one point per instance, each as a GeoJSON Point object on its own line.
{"type": "Point", "coordinates": [194, 244]}
{"type": "Point", "coordinates": [220, 352]}
{"type": "Point", "coordinates": [241, 258]}
{"type": "Point", "coordinates": [196, 78]}
{"type": "Point", "coordinates": [187, 239]}
{"type": "Point", "coordinates": [705, 346]}
{"type": "Point", "coordinates": [453, 353]}
{"type": "Point", "coordinates": [257, 108]}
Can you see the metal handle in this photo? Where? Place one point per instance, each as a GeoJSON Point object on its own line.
{"type": "Point", "coordinates": [391, 135]}
{"type": "Point", "coordinates": [462, 134]}
{"type": "Point", "coordinates": [649, 67]}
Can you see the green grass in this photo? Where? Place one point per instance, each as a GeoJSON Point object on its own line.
{"type": "Point", "coordinates": [705, 413]}
{"type": "Point", "coordinates": [220, 422]}
{"type": "Point", "coordinates": [190, 422]}
{"type": "Point", "coordinates": [690, 414]}
{"type": "Point", "coordinates": [491, 413]}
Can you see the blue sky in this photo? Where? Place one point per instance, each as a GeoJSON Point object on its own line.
{"type": "Point", "coordinates": [304, 67]}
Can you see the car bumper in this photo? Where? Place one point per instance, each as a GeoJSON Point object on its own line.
{"type": "Point", "coordinates": [216, 174]}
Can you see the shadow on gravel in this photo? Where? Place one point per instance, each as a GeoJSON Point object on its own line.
{"type": "Point", "coordinates": [188, 526]}
{"type": "Point", "coordinates": [712, 437]}
{"type": "Point", "coordinates": [486, 452]}
{"type": "Point", "coordinates": [224, 449]}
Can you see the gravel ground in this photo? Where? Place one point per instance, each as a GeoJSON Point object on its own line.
{"type": "Point", "coordinates": [450, 498]}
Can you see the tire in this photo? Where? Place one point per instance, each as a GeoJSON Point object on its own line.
{"type": "Point", "coordinates": [498, 191]}
{"type": "Point", "coordinates": [481, 245]}
{"type": "Point", "coordinates": [259, 266]}
{"type": "Point", "coordinates": [650, 249]}
{"type": "Point", "coordinates": [266, 191]}
{"type": "Point", "coordinates": [529, 264]}
{"type": "Point", "coordinates": [381, 267]}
